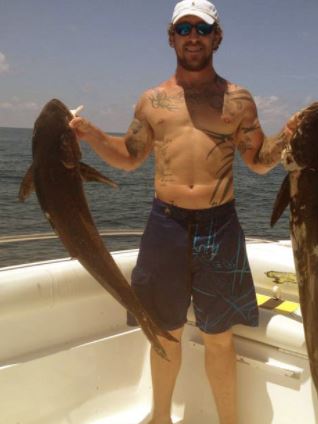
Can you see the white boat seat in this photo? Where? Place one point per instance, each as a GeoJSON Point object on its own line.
{"type": "Point", "coordinates": [285, 331]}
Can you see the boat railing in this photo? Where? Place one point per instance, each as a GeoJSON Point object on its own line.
{"type": "Point", "coordinates": [19, 238]}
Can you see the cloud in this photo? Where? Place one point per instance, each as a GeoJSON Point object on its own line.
{"type": "Point", "coordinates": [4, 65]}
{"type": "Point", "coordinates": [270, 104]}
{"type": "Point", "coordinates": [16, 104]}
{"type": "Point", "coordinates": [15, 112]}
{"type": "Point", "coordinates": [272, 110]}
{"type": "Point", "coordinates": [309, 99]}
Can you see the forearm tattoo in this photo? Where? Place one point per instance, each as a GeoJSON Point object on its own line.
{"type": "Point", "coordinates": [271, 150]}
{"type": "Point", "coordinates": [246, 143]}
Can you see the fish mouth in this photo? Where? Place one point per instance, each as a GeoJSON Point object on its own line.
{"type": "Point", "coordinates": [288, 161]}
{"type": "Point", "coordinates": [304, 142]}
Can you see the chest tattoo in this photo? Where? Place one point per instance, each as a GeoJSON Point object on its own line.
{"type": "Point", "coordinates": [161, 100]}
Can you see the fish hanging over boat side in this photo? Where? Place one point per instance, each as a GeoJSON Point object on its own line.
{"type": "Point", "coordinates": [56, 175]}
{"type": "Point", "coordinates": [300, 191]}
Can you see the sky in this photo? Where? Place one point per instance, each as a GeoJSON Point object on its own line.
{"type": "Point", "coordinates": [105, 53]}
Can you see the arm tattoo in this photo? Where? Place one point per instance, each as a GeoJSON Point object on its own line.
{"type": "Point", "coordinates": [135, 126]}
{"type": "Point", "coordinates": [133, 147]}
{"type": "Point", "coordinates": [236, 101]}
{"type": "Point", "coordinates": [245, 145]}
{"type": "Point", "coordinates": [270, 152]}
{"type": "Point", "coordinates": [246, 130]}
{"type": "Point", "coordinates": [136, 140]}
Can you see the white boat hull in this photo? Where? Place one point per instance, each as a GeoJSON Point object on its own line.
{"type": "Point", "coordinates": [67, 355]}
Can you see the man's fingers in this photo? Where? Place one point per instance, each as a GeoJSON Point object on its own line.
{"type": "Point", "coordinates": [75, 122]}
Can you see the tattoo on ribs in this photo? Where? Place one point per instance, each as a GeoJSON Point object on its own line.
{"type": "Point", "coordinates": [225, 180]}
{"type": "Point", "coordinates": [219, 139]}
{"type": "Point", "coordinates": [163, 169]}
{"type": "Point", "coordinates": [224, 172]}
{"type": "Point", "coordinates": [225, 190]}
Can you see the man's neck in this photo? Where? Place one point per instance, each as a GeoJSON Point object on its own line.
{"type": "Point", "coordinates": [187, 78]}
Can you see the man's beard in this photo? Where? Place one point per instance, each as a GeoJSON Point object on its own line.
{"type": "Point", "coordinates": [194, 66]}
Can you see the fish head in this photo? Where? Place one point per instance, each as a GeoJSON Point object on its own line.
{"type": "Point", "coordinates": [304, 142]}
{"type": "Point", "coordinates": [53, 137]}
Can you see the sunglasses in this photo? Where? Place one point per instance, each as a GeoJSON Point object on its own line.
{"type": "Point", "coordinates": [185, 28]}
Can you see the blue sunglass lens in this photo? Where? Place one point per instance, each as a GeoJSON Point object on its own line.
{"type": "Point", "coordinates": [204, 29]}
{"type": "Point", "coordinates": [185, 28]}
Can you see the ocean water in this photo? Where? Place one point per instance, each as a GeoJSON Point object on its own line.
{"type": "Point", "coordinates": [113, 209]}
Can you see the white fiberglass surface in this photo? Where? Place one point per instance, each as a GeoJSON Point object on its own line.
{"type": "Point", "coordinates": [90, 383]}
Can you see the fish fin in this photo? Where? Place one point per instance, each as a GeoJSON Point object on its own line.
{"type": "Point", "coordinates": [91, 174]}
{"type": "Point", "coordinates": [48, 217]}
{"type": "Point", "coordinates": [27, 185]}
{"type": "Point", "coordinates": [282, 201]}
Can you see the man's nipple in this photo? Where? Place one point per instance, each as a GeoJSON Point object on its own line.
{"type": "Point", "coordinates": [226, 119]}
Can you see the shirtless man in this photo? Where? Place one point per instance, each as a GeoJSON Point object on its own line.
{"type": "Point", "coordinates": [193, 246]}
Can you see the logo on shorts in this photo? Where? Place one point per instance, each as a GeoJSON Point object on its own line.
{"type": "Point", "coordinates": [207, 251]}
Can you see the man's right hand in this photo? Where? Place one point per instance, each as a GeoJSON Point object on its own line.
{"type": "Point", "coordinates": [84, 129]}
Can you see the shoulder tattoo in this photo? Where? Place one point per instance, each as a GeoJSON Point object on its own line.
{"type": "Point", "coordinates": [237, 101]}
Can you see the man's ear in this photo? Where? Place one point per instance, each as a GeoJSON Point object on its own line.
{"type": "Point", "coordinates": [171, 35]}
{"type": "Point", "coordinates": [171, 40]}
{"type": "Point", "coordinates": [218, 36]}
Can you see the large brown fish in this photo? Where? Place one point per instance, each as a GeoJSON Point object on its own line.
{"type": "Point", "coordinates": [56, 175]}
{"type": "Point", "coordinates": [300, 190]}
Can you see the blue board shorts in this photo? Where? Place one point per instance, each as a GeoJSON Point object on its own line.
{"type": "Point", "coordinates": [197, 255]}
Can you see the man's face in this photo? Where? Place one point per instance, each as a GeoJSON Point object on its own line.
{"type": "Point", "coordinates": [194, 52]}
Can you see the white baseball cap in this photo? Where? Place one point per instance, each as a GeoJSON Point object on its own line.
{"type": "Point", "coordinates": [201, 8]}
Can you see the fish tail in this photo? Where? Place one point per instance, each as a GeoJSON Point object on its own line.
{"type": "Point", "coordinates": [152, 331]}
